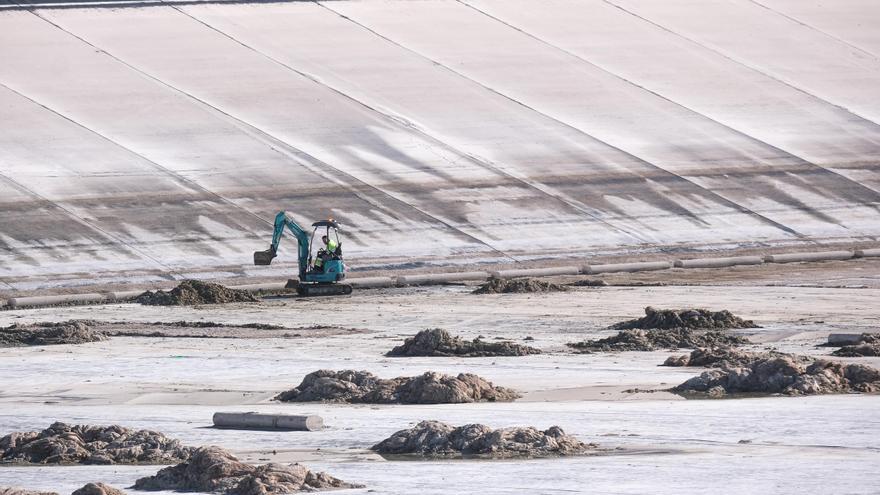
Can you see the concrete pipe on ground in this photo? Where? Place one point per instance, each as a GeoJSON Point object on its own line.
{"type": "Point", "coordinates": [815, 256]}
{"type": "Point", "coordinates": [19, 302]}
{"type": "Point", "coordinates": [867, 253]}
{"type": "Point", "coordinates": [536, 272]}
{"type": "Point", "coordinates": [719, 262]}
{"type": "Point", "coordinates": [259, 421]}
{"type": "Point", "coordinates": [371, 282]}
{"type": "Point", "coordinates": [439, 278]}
{"type": "Point", "coordinates": [259, 287]}
{"type": "Point", "coordinates": [645, 266]}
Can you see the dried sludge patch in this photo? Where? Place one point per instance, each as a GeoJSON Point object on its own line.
{"type": "Point", "coordinates": [46, 333]}
{"type": "Point", "coordinates": [366, 388]}
{"type": "Point", "coordinates": [191, 292]}
{"type": "Point", "coordinates": [82, 444]}
{"type": "Point", "coordinates": [437, 439]}
{"type": "Point", "coordinates": [214, 470]}
{"type": "Point", "coordinates": [868, 345]}
{"type": "Point", "coordinates": [438, 342]}
{"type": "Point", "coordinates": [697, 319]}
{"type": "Point", "coordinates": [775, 373]}
{"type": "Point", "coordinates": [518, 285]}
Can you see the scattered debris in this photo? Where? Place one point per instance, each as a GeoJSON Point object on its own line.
{"type": "Point", "coordinates": [98, 489]}
{"type": "Point", "coordinates": [517, 285]}
{"type": "Point", "coordinates": [364, 387]}
{"type": "Point", "coordinates": [777, 373]}
{"type": "Point", "coordinates": [213, 469]}
{"type": "Point", "coordinates": [22, 491]}
{"type": "Point", "coordinates": [83, 444]}
{"type": "Point", "coordinates": [701, 319]}
{"type": "Point", "coordinates": [436, 439]}
{"type": "Point", "coordinates": [65, 332]}
{"type": "Point", "coordinates": [590, 283]}
{"type": "Point", "coordinates": [649, 340]}
{"type": "Point", "coordinates": [190, 292]}
{"type": "Point", "coordinates": [438, 342]}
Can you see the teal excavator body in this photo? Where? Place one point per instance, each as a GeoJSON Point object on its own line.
{"type": "Point", "coordinates": [317, 277]}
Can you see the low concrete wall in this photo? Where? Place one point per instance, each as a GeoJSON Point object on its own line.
{"type": "Point", "coordinates": [253, 420]}
{"type": "Point", "coordinates": [537, 272]}
{"type": "Point", "coordinates": [816, 256]}
{"type": "Point", "coordinates": [719, 262]}
{"type": "Point", "coordinates": [645, 266]}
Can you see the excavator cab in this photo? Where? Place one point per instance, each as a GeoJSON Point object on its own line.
{"type": "Point", "coordinates": [326, 265]}
{"type": "Point", "coordinates": [321, 268]}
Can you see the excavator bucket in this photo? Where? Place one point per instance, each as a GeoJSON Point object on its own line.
{"type": "Point", "coordinates": [263, 257]}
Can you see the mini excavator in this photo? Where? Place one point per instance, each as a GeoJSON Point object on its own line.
{"type": "Point", "coordinates": [318, 276]}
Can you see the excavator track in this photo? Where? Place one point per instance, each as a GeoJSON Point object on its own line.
{"type": "Point", "coordinates": [312, 290]}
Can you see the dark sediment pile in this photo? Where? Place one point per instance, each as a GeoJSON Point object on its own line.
{"type": "Point", "coordinates": [436, 439]}
{"type": "Point", "coordinates": [590, 283]}
{"type": "Point", "coordinates": [364, 387]}
{"type": "Point", "coordinates": [439, 342]}
{"type": "Point", "coordinates": [776, 373]}
{"type": "Point", "coordinates": [868, 344]}
{"type": "Point", "coordinates": [717, 357]}
{"type": "Point", "coordinates": [858, 350]}
{"type": "Point", "coordinates": [66, 332]}
{"type": "Point", "coordinates": [98, 489]}
{"type": "Point", "coordinates": [82, 444]}
{"type": "Point", "coordinates": [22, 491]}
{"type": "Point", "coordinates": [649, 340]}
{"type": "Point", "coordinates": [517, 286]}
{"type": "Point", "coordinates": [214, 470]}
{"type": "Point", "coordinates": [190, 292]}
{"type": "Point", "coordinates": [695, 319]}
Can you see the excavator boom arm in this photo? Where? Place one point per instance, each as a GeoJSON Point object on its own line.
{"type": "Point", "coordinates": [302, 237]}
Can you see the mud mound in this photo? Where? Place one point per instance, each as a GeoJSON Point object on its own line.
{"type": "Point", "coordinates": [717, 357]}
{"type": "Point", "coordinates": [363, 387]}
{"type": "Point", "coordinates": [784, 374]}
{"type": "Point", "coordinates": [22, 491]}
{"type": "Point", "coordinates": [859, 350]}
{"type": "Point", "coordinates": [868, 344]}
{"type": "Point", "coordinates": [213, 469]}
{"type": "Point", "coordinates": [82, 444]}
{"type": "Point", "coordinates": [696, 319]}
{"type": "Point", "coordinates": [190, 292]}
{"type": "Point", "coordinates": [66, 332]}
{"type": "Point", "coordinates": [589, 283]}
{"type": "Point", "coordinates": [517, 286]}
{"type": "Point", "coordinates": [436, 439]}
{"type": "Point", "coordinates": [439, 342]}
{"type": "Point", "coordinates": [98, 489]}
{"type": "Point", "coordinates": [649, 340]}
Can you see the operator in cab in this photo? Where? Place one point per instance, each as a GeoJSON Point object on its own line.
{"type": "Point", "coordinates": [328, 252]}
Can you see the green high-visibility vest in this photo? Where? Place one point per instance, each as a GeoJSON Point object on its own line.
{"type": "Point", "coordinates": [331, 246]}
